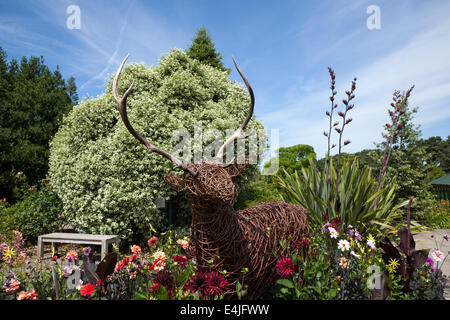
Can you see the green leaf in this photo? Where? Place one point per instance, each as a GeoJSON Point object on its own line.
{"type": "Point", "coordinates": [140, 296]}
{"type": "Point", "coordinates": [285, 282]}
{"type": "Point", "coordinates": [331, 293]}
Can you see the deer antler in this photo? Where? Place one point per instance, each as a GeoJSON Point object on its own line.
{"type": "Point", "coordinates": [122, 106]}
{"type": "Point", "coordinates": [239, 133]}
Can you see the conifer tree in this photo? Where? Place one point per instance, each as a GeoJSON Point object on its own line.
{"type": "Point", "coordinates": [203, 50]}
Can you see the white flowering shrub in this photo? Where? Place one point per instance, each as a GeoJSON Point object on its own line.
{"type": "Point", "coordinates": [105, 177]}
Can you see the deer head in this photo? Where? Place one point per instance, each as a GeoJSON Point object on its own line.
{"type": "Point", "coordinates": [209, 181]}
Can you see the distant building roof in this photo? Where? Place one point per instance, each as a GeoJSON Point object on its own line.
{"type": "Point", "coordinates": [442, 180]}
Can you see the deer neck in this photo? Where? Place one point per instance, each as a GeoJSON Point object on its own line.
{"type": "Point", "coordinates": [212, 212]}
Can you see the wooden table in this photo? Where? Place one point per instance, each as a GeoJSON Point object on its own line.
{"type": "Point", "coordinates": [78, 238]}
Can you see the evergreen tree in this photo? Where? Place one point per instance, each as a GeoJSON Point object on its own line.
{"type": "Point", "coordinates": [33, 101]}
{"type": "Point", "coordinates": [203, 50]}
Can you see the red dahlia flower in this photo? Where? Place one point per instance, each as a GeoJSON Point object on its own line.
{"type": "Point", "coordinates": [216, 284]}
{"type": "Point", "coordinates": [87, 290]}
{"type": "Point", "coordinates": [285, 268]}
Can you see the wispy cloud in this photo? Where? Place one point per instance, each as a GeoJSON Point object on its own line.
{"type": "Point", "coordinates": [112, 59]}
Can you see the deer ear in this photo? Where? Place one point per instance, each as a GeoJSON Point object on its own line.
{"type": "Point", "coordinates": [175, 181]}
{"type": "Point", "coordinates": [237, 167]}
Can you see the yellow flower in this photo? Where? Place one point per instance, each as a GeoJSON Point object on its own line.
{"type": "Point", "coordinates": [9, 253]}
{"type": "Point", "coordinates": [394, 263]}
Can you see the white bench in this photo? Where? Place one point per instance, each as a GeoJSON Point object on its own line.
{"type": "Point", "coordinates": [78, 238]}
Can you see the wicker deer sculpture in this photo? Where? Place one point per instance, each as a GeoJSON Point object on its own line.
{"type": "Point", "coordinates": [246, 243]}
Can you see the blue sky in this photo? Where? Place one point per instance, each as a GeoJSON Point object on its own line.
{"type": "Point", "coordinates": [283, 47]}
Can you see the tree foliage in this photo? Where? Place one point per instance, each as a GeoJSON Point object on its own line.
{"type": "Point", "coordinates": [294, 157]}
{"type": "Point", "coordinates": [203, 50]}
{"type": "Point", "coordinates": [33, 101]}
{"type": "Point", "coordinates": [105, 177]}
{"type": "Point", "coordinates": [266, 187]}
{"type": "Point", "coordinates": [439, 150]}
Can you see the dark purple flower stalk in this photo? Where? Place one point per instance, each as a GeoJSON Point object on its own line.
{"type": "Point", "coordinates": [393, 128]}
{"type": "Point", "coordinates": [348, 106]}
{"type": "Point", "coordinates": [328, 135]}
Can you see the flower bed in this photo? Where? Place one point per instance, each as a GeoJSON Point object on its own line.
{"type": "Point", "coordinates": [335, 262]}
